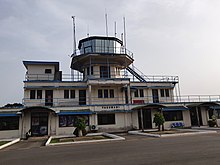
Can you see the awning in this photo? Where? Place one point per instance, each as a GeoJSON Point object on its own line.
{"type": "Point", "coordinates": [175, 108]}
{"type": "Point", "coordinates": [75, 113]}
{"type": "Point", "coordinates": [149, 106]}
{"type": "Point", "coordinates": [203, 104]}
{"type": "Point", "coordinates": [8, 114]}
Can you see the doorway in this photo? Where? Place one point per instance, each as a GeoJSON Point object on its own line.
{"type": "Point", "coordinates": [196, 120]}
{"type": "Point", "coordinates": [155, 96]}
{"type": "Point", "coordinates": [39, 123]}
{"type": "Point", "coordinates": [147, 120]}
{"type": "Point", "coordinates": [48, 97]}
{"type": "Point", "coordinates": [82, 97]}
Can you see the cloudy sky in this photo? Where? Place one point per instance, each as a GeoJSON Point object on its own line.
{"type": "Point", "coordinates": [167, 37]}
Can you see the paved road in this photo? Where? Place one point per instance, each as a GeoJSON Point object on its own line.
{"type": "Point", "coordinates": [196, 149]}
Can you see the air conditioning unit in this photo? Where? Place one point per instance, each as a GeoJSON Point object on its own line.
{"type": "Point", "coordinates": [93, 128]}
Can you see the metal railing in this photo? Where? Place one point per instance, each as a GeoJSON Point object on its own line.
{"type": "Point", "coordinates": [120, 100]}
{"type": "Point", "coordinates": [113, 75]}
{"type": "Point", "coordinates": [103, 50]}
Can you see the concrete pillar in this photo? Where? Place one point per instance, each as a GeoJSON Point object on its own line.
{"type": "Point", "coordinates": [90, 94]}
{"type": "Point", "coordinates": [129, 94]}
{"type": "Point", "coordinates": [197, 114]}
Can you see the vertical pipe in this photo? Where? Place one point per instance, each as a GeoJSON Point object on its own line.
{"type": "Point", "coordinates": [142, 121]}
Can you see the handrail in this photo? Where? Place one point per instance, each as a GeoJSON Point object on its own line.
{"type": "Point", "coordinates": [114, 75]}
{"type": "Point", "coordinates": [121, 100]}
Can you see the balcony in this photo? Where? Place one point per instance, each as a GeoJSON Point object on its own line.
{"type": "Point", "coordinates": [58, 102]}
{"type": "Point", "coordinates": [123, 74]}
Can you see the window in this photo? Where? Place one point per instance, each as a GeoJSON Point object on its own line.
{"type": "Point", "coordinates": [39, 94]}
{"type": "Point", "coordinates": [139, 93]}
{"type": "Point", "coordinates": [69, 94]}
{"type": "Point", "coordinates": [106, 93]}
{"type": "Point", "coordinates": [70, 120]}
{"type": "Point", "coordinates": [100, 93]}
{"type": "Point", "coordinates": [72, 94]}
{"type": "Point", "coordinates": [105, 72]}
{"type": "Point", "coordinates": [136, 93]}
{"type": "Point", "coordinates": [48, 71]}
{"type": "Point", "coordinates": [106, 119]}
{"type": "Point", "coordinates": [173, 115]}
{"type": "Point", "coordinates": [32, 94]}
{"type": "Point", "coordinates": [88, 70]}
{"type": "Point", "coordinates": [167, 92]}
{"type": "Point", "coordinates": [9, 123]}
{"type": "Point", "coordinates": [111, 93]}
{"type": "Point", "coordinates": [162, 93]}
{"type": "Point", "coordinates": [66, 94]}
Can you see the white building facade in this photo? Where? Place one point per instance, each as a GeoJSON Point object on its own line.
{"type": "Point", "coordinates": [105, 89]}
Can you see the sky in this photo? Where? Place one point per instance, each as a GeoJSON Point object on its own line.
{"type": "Point", "coordinates": [168, 37]}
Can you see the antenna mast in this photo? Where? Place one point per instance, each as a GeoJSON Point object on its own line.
{"type": "Point", "coordinates": [106, 24]}
{"type": "Point", "coordinates": [74, 36]}
{"type": "Point", "coordinates": [124, 34]}
{"type": "Point", "coordinates": [115, 29]}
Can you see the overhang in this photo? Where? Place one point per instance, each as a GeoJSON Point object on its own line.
{"type": "Point", "coordinates": [175, 108]}
{"type": "Point", "coordinates": [149, 106]}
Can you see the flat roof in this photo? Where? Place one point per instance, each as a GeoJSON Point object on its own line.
{"type": "Point", "coordinates": [99, 37]}
{"type": "Point", "coordinates": [56, 64]}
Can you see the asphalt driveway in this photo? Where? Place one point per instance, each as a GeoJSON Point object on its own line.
{"type": "Point", "coordinates": [196, 149]}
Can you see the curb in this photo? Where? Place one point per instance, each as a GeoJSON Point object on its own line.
{"type": "Point", "coordinates": [10, 143]}
{"type": "Point", "coordinates": [193, 132]}
{"type": "Point", "coordinates": [115, 137]}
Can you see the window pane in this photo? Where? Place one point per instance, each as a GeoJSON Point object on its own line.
{"type": "Point", "coordinates": [72, 94]}
{"type": "Point", "coordinates": [99, 93]}
{"type": "Point", "coordinates": [173, 115]}
{"type": "Point", "coordinates": [105, 119]}
{"type": "Point", "coordinates": [136, 93]}
{"type": "Point", "coordinates": [32, 94]}
{"type": "Point", "coordinates": [162, 93]}
{"type": "Point", "coordinates": [66, 94]}
{"type": "Point", "coordinates": [167, 92]}
{"type": "Point", "coordinates": [141, 92]}
{"type": "Point", "coordinates": [9, 123]}
{"type": "Point", "coordinates": [111, 93]}
{"type": "Point", "coordinates": [48, 71]}
{"type": "Point", "coordinates": [39, 94]}
{"type": "Point", "coordinates": [105, 93]}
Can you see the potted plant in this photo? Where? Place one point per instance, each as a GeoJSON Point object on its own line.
{"type": "Point", "coordinates": [80, 127]}
{"type": "Point", "coordinates": [212, 122]}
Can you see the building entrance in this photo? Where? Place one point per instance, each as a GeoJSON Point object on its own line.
{"type": "Point", "coordinates": [147, 121]}
{"type": "Point", "coordinates": [39, 123]}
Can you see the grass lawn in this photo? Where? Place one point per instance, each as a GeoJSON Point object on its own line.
{"type": "Point", "coordinates": [3, 142]}
{"type": "Point", "coordinates": [167, 132]}
{"type": "Point", "coordinates": [74, 139]}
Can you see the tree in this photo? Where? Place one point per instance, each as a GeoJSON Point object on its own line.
{"type": "Point", "coordinates": [159, 120]}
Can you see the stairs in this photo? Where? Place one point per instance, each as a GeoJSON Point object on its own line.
{"type": "Point", "coordinates": [135, 74]}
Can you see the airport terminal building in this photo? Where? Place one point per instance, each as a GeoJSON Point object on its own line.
{"type": "Point", "coordinates": [106, 89]}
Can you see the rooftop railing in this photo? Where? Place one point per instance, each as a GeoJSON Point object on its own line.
{"type": "Point", "coordinates": [77, 76]}
{"type": "Point", "coordinates": [103, 50]}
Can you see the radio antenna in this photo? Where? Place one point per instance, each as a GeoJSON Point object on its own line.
{"type": "Point", "coordinates": [106, 24]}
{"type": "Point", "coordinates": [124, 34]}
{"type": "Point", "coordinates": [115, 29]}
{"type": "Point", "coordinates": [74, 36]}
